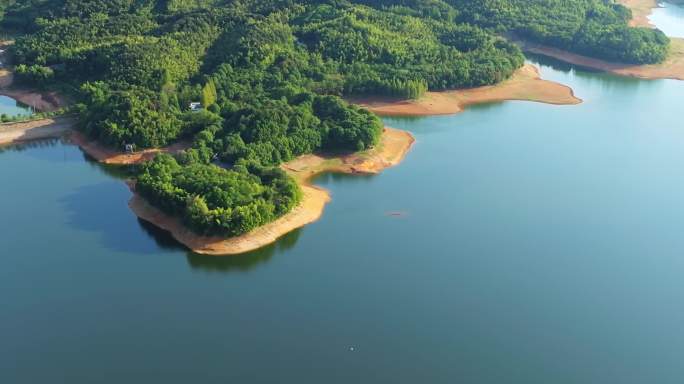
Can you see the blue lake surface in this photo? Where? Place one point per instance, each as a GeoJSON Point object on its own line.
{"type": "Point", "coordinates": [10, 107]}
{"type": "Point", "coordinates": [540, 244]}
{"type": "Point", "coordinates": [669, 18]}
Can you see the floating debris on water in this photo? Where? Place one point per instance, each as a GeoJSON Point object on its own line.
{"type": "Point", "coordinates": [396, 213]}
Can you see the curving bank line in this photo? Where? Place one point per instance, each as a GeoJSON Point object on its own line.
{"type": "Point", "coordinates": [526, 84]}
{"type": "Point", "coordinates": [394, 144]}
{"type": "Point", "coordinates": [393, 147]}
{"type": "Point", "coordinates": [671, 68]}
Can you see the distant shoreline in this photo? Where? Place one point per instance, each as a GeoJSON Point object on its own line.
{"type": "Point", "coordinates": [671, 68]}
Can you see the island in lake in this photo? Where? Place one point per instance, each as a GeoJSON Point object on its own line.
{"type": "Point", "coordinates": [223, 112]}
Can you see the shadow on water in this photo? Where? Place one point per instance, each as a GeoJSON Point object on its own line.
{"type": "Point", "coordinates": [63, 150]}
{"type": "Point", "coordinates": [244, 262]}
{"type": "Point", "coordinates": [556, 64]}
{"type": "Point", "coordinates": [223, 264]}
{"type": "Point", "coordinates": [119, 172]}
{"type": "Point", "coordinates": [604, 80]}
{"type": "Point", "coordinates": [28, 145]}
{"type": "Point", "coordinates": [162, 238]}
{"type": "Point", "coordinates": [101, 208]}
{"type": "Point", "coordinates": [330, 177]}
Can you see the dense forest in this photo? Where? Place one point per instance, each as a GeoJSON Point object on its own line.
{"type": "Point", "coordinates": [598, 28]}
{"type": "Point", "coordinates": [270, 76]}
{"type": "Point", "coordinates": [214, 200]}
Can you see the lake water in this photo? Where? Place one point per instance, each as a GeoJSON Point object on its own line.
{"type": "Point", "coordinates": [539, 244]}
{"type": "Point", "coordinates": [669, 18]}
{"type": "Point", "coordinates": [11, 107]}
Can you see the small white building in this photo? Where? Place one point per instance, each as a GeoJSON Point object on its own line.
{"type": "Point", "coordinates": [195, 106]}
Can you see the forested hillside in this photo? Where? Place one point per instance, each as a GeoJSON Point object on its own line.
{"type": "Point", "coordinates": [270, 73]}
{"type": "Point", "coordinates": [596, 28]}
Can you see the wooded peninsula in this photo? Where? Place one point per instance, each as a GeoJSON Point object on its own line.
{"type": "Point", "coordinates": [249, 85]}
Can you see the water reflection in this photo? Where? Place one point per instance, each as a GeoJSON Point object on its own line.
{"type": "Point", "coordinates": [101, 208]}
{"type": "Point", "coordinates": [26, 145]}
{"type": "Point", "coordinates": [244, 262]}
{"type": "Point", "coordinates": [556, 64]}
{"type": "Point", "coordinates": [327, 177]}
{"type": "Point", "coordinates": [162, 238]}
{"type": "Point", "coordinates": [222, 264]}
{"type": "Point", "coordinates": [600, 81]}
{"type": "Point", "coordinates": [97, 208]}
{"type": "Point", "coordinates": [119, 172]}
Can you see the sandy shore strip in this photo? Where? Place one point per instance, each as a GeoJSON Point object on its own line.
{"type": "Point", "coordinates": [671, 68]}
{"type": "Point", "coordinates": [308, 211]}
{"type": "Point", "coordinates": [393, 147]}
{"type": "Point", "coordinates": [109, 156]}
{"type": "Point", "coordinates": [34, 130]}
{"type": "Point", "coordinates": [525, 84]}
